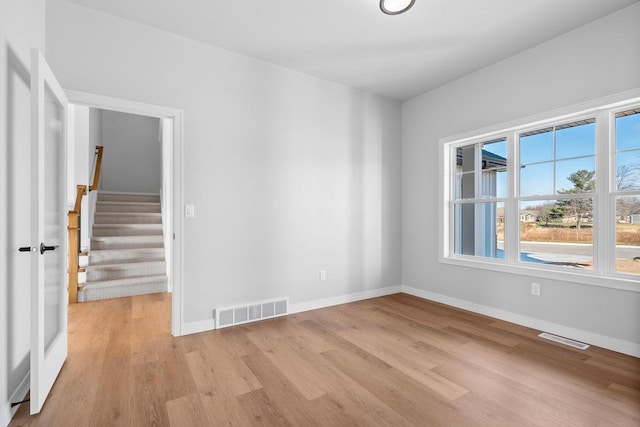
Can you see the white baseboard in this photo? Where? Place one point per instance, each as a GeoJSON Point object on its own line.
{"type": "Point", "coordinates": [208, 325]}
{"type": "Point", "coordinates": [615, 344]}
{"type": "Point", "coordinates": [342, 299]}
{"type": "Point", "coordinates": [7, 411]}
{"type": "Point", "coordinates": [189, 328]}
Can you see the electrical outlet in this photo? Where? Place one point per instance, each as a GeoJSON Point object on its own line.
{"type": "Point", "coordinates": [323, 275]}
{"type": "Point", "coordinates": [535, 289]}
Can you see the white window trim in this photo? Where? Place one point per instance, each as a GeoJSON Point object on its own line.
{"type": "Point", "coordinates": [602, 277]}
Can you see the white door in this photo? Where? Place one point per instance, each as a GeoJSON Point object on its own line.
{"type": "Point", "coordinates": [48, 192]}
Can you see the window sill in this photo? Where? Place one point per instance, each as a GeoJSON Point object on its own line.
{"type": "Point", "coordinates": [549, 272]}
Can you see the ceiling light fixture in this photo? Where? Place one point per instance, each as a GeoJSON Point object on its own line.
{"type": "Point", "coordinates": [395, 7]}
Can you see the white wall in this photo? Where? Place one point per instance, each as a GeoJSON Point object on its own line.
{"type": "Point", "coordinates": [593, 61]}
{"type": "Point", "coordinates": [289, 174]}
{"type": "Point", "coordinates": [95, 139]}
{"type": "Point", "coordinates": [79, 115]}
{"type": "Point", "coordinates": [86, 135]}
{"type": "Point", "coordinates": [132, 157]}
{"type": "Point", "coordinates": [21, 28]}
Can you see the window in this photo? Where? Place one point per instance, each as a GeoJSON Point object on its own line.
{"type": "Point", "coordinates": [558, 197]}
{"type": "Point", "coordinates": [557, 177]}
{"type": "Point", "coordinates": [627, 191]}
{"type": "Point", "coordinates": [480, 187]}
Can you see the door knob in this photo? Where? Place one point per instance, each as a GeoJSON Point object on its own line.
{"type": "Point", "coordinates": [44, 248]}
{"type": "Point", "coordinates": [26, 249]}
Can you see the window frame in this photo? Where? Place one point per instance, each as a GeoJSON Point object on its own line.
{"type": "Point", "coordinates": [604, 273]}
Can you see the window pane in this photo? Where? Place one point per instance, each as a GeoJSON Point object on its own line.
{"type": "Point", "coordinates": [628, 132]}
{"type": "Point", "coordinates": [557, 232]}
{"type": "Point", "coordinates": [576, 175]}
{"type": "Point", "coordinates": [466, 158]}
{"type": "Point", "coordinates": [494, 169]}
{"type": "Point", "coordinates": [628, 161]}
{"type": "Point", "coordinates": [494, 183]}
{"type": "Point", "coordinates": [479, 229]}
{"type": "Point", "coordinates": [628, 170]}
{"type": "Point", "coordinates": [492, 175]}
{"type": "Point", "coordinates": [536, 148]}
{"type": "Point", "coordinates": [536, 179]}
{"type": "Point", "coordinates": [576, 141]}
{"type": "Point", "coordinates": [465, 188]}
{"type": "Point", "coordinates": [628, 235]}
{"type": "Point", "coordinates": [465, 168]}
{"type": "Point", "coordinates": [496, 151]}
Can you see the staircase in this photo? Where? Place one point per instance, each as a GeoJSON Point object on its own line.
{"type": "Point", "coordinates": [127, 248]}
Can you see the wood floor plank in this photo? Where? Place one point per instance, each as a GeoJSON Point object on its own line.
{"type": "Point", "coordinates": [552, 380]}
{"type": "Point", "coordinates": [261, 410]}
{"type": "Point", "coordinates": [231, 372]}
{"type": "Point", "coordinates": [148, 407]}
{"type": "Point", "coordinates": [412, 400]}
{"type": "Point", "coordinates": [173, 366]}
{"type": "Point", "coordinates": [293, 405]}
{"type": "Point", "coordinates": [625, 392]}
{"type": "Point", "coordinates": [239, 344]}
{"type": "Point", "coordinates": [488, 413]}
{"type": "Point", "coordinates": [446, 314]}
{"type": "Point", "coordinates": [296, 363]}
{"type": "Point", "coordinates": [405, 359]}
{"type": "Point", "coordinates": [220, 403]}
{"type": "Point", "coordinates": [339, 342]}
{"type": "Point", "coordinates": [438, 337]}
{"type": "Point", "coordinates": [530, 403]}
{"type": "Point", "coordinates": [114, 407]}
{"type": "Point", "coordinates": [85, 386]}
{"type": "Point", "coordinates": [187, 411]}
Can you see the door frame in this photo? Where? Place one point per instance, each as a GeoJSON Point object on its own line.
{"type": "Point", "coordinates": [176, 189]}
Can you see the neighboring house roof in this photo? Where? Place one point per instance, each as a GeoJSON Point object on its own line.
{"type": "Point", "coordinates": [489, 160]}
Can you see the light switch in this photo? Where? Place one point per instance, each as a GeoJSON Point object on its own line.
{"type": "Point", "coordinates": [189, 211]}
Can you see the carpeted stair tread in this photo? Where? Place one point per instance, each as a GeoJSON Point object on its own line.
{"type": "Point", "coordinates": [125, 265]}
{"type": "Point", "coordinates": [100, 230]}
{"type": "Point", "coordinates": [114, 256]}
{"type": "Point", "coordinates": [120, 197]}
{"type": "Point", "coordinates": [125, 269]}
{"type": "Point", "coordinates": [127, 242]}
{"type": "Point", "coordinates": [126, 281]}
{"type": "Point", "coordinates": [104, 289]}
{"type": "Point", "coordinates": [128, 218]}
{"type": "Point", "coordinates": [119, 206]}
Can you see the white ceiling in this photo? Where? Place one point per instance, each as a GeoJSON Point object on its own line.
{"type": "Point", "coordinates": [353, 43]}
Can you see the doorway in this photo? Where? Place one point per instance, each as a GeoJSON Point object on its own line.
{"type": "Point", "coordinates": [171, 131]}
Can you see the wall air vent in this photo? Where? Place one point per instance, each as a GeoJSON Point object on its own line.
{"type": "Point", "coordinates": [565, 341]}
{"type": "Point", "coordinates": [232, 316]}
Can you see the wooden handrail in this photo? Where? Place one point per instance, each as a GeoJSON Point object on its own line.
{"type": "Point", "coordinates": [81, 190]}
{"type": "Point", "coordinates": [72, 269]}
{"type": "Point", "coordinates": [74, 229]}
{"type": "Point", "coordinates": [74, 247]}
{"type": "Point", "coordinates": [96, 175]}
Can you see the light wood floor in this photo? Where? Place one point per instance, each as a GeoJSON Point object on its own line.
{"type": "Point", "coordinates": [396, 360]}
